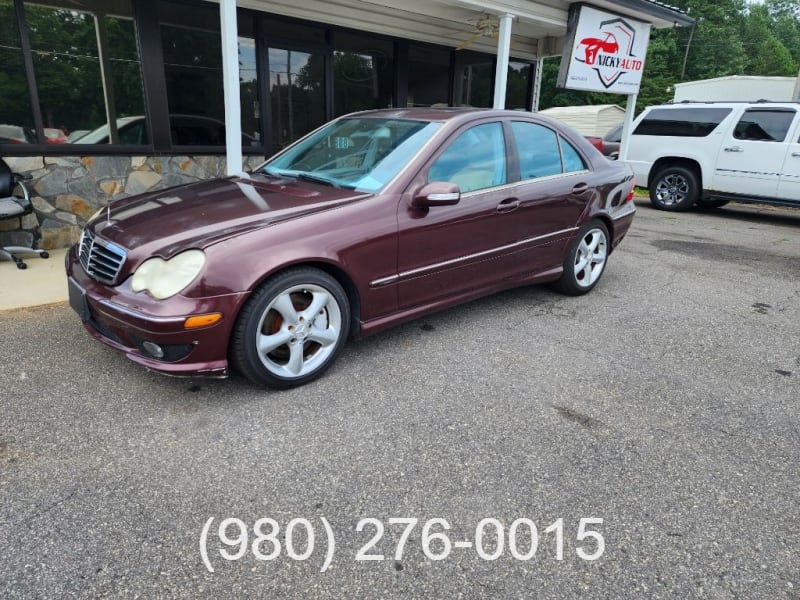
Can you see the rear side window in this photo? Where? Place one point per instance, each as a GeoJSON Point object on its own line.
{"type": "Point", "coordinates": [572, 161]}
{"type": "Point", "coordinates": [764, 125]}
{"type": "Point", "coordinates": [539, 154]}
{"type": "Point", "coordinates": [682, 122]}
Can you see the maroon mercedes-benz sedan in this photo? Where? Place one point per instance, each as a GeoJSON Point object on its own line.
{"type": "Point", "coordinates": [373, 219]}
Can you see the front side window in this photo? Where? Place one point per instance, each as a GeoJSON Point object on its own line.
{"type": "Point", "coordinates": [475, 160]}
{"type": "Point", "coordinates": [764, 125]}
{"type": "Point", "coordinates": [682, 122]}
{"type": "Point", "coordinates": [538, 149]}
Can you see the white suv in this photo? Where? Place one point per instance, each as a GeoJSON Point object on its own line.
{"type": "Point", "coordinates": [708, 153]}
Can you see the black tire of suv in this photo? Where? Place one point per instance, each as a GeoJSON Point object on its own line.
{"type": "Point", "coordinates": [674, 188]}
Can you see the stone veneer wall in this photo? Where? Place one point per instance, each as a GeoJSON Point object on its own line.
{"type": "Point", "coordinates": [66, 191]}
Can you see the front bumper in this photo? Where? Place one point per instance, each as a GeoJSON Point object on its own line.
{"type": "Point", "coordinates": [136, 324]}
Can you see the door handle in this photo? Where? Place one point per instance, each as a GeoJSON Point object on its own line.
{"type": "Point", "coordinates": [733, 149]}
{"type": "Point", "coordinates": [580, 188]}
{"type": "Point", "coordinates": [508, 205]}
{"type": "Point", "coordinates": [796, 154]}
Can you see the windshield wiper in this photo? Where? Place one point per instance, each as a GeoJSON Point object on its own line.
{"type": "Point", "coordinates": [316, 179]}
{"type": "Point", "coordinates": [271, 173]}
{"type": "Point", "coordinates": [306, 177]}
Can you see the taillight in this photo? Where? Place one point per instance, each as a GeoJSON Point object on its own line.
{"type": "Point", "coordinates": [633, 189]}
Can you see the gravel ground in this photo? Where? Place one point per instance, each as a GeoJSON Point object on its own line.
{"type": "Point", "coordinates": [665, 403]}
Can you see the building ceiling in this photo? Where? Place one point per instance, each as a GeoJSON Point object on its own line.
{"type": "Point", "coordinates": [538, 29]}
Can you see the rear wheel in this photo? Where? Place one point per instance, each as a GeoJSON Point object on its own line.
{"type": "Point", "coordinates": [674, 188]}
{"type": "Point", "coordinates": [291, 329]}
{"type": "Point", "coordinates": [585, 261]}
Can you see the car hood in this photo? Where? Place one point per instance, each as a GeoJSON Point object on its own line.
{"type": "Point", "coordinates": [199, 214]}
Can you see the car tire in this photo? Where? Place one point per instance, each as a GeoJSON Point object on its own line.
{"type": "Point", "coordinates": [291, 329]}
{"type": "Point", "coordinates": [711, 204]}
{"type": "Point", "coordinates": [674, 188]}
{"type": "Point", "coordinates": [586, 260]}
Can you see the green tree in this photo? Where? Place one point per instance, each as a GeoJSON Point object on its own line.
{"type": "Point", "coordinates": [766, 54]}
{"type": "Point", "coordinates": [660, 69]}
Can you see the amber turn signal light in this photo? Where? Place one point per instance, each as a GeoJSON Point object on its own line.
{"type": "Point", "coordinates": [196, 321]}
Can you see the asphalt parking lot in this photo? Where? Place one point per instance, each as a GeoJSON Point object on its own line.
{"type": "Point", "coordinates": [666, 403]}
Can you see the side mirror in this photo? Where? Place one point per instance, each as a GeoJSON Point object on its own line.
{"type": "Point", "coordinates": [438, 193]}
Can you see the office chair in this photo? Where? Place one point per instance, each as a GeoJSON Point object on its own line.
{"type": "Point", "coordinates": [15, 207]}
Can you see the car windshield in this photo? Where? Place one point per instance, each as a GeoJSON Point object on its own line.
{"type": "Point", "coordinates": [614, 135]}
{"type": "Point", "coordinates": [358, 153]}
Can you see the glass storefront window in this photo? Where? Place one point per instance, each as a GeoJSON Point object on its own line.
{"type": "Point", "coordinates": [248, 90]}
{"type": "Point", "coordinates": [278, 29]}
{"type": "Point", "coordinates": [192, 46]}
{"type": "Point", "coordinates": [428, 76]}
{"type": "Point", "coordinates": [86, 63]}
{"type": "Point", "coordinates": [297, 94]}
{"type": "Point", "coordinates": [16, 116]}
{"type": "Point", "coordinates": [363, 73]}
{"type": "Point", "coordinates": [474, 80]}
{"type": "Point", "coordinates": [518, 85]}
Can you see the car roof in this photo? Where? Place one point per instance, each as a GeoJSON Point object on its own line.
{"type": "Point", "coordinates": [728, 103]}
{"type": "Point", "coordinates": [436, 114]}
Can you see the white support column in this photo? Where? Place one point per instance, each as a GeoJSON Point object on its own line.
{"type": "Point", "coordinates": [105, 76]}
{"type": "Point", "coordinates": [230, 84]}
{"type": "Point", "coordinates": [630, 109]}
{"type": "Point", "coordinates": [503, 52]}
{"type": "Point", "coordinates": [537, 85]}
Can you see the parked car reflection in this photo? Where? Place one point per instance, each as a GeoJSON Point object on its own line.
{"type": "Point", "coordinates": [185, 130]}
{"type": "Point", "coordinates": [53, 135]}
{"type": "Point", "coordinates": [14, 134]}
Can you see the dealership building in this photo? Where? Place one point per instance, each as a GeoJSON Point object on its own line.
{"type": "Point", "coordinates": [102, 99]}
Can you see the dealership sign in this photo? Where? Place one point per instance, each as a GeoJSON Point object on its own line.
{"type": "Point", "coordinates": [604, 52]}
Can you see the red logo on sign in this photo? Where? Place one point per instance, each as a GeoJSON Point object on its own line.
{"type": "Point", "coordinates": [611, 53]}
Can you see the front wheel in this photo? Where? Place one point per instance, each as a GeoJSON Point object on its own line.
{"type": "Point", "coordinates": [291, 329]}
{"type": "Point", "coordinates": [674, 188]}
{"type": "Point", "coordinates": [585, 261]}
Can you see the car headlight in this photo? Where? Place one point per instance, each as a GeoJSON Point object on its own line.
{"type": "Point", "coordinates": [165, 278]}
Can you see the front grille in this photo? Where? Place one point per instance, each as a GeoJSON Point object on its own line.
{"type": "Point", "coordinates": [101, 259]}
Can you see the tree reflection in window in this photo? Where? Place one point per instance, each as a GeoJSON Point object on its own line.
{"type": "Point", "coordinates": [82, 83]}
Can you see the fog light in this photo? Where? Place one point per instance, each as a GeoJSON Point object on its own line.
{"type": "Point", "coordinates": [153, 350]}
